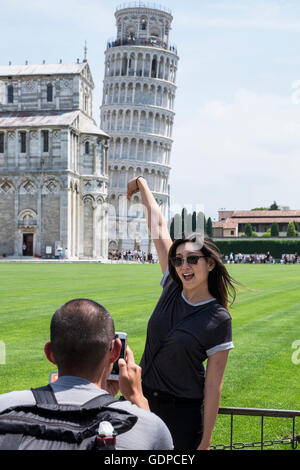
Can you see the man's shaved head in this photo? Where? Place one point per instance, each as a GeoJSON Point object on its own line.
{"type": "Point", "coordinates": [81, 333]}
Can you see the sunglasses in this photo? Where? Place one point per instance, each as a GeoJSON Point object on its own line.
{"type": "Point", "coordinates": [177, 261]}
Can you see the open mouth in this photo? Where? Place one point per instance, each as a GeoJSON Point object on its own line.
{"type": "Point", "coordinates": [188, 277]}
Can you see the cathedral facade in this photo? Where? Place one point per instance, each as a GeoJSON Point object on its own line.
{"type": "Point", "coordinates": [63, 180]}
{"type": "Point", "coordinates": [53, 164]}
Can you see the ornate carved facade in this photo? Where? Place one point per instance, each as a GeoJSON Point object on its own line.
{"type": "Point", "coordinates": [53, 163]}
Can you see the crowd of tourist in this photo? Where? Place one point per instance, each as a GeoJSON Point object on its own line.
{"type": "Point", "coordinates": [134, 255]}
{"type": "Point", "coordinates": [234, 258]}
{"type": "Point", "coordinates": [259, 258]}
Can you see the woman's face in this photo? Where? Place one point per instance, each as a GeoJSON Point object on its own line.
{"type": "Point", "coordinates": [193, 275]}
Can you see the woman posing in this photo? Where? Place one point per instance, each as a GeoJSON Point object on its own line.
{"type": "Point", "coordinates": [189, 324]}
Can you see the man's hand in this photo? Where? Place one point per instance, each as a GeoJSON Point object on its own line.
{"type": "Point", "coordinates": [130, 381]}
{"type": "Point", "coordinates": [112, 387]}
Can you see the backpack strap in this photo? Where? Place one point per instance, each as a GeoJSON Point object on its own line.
{"type": "Point", "coordinates": [44, 395]}
{"type": "Point", "coordinates": [100, 401]}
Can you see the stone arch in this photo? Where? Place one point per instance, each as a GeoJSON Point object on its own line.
{"type": "Point", "coordinates": [125, 148]}
{"type": "Point", "coordinates": [118, 148]}
{"type": "Point", "coordinates": [124, 64]}
{"type": "Point", "coordinates": [127, 120]}
{"type": "Point", "coordinates": [135, 119]}
{"type": "Point", "coordinates": [143, 122]}
{"type": "Point", "coordinates": [113, 123]}
{"type": "Point", "coordinates": [138, 94]}
{"type": "Point", "coordinates": [27, 218]}
{"type": "Point", "coordinates": [120, 120]}
{"type": "Point", "coordinates": [139, 67]}
{"type": "Point", "coordinates": [116, 94]}
{"type": "Point", "coordinates": [132, 149]}
{"type": "Point", "coordinates": [140, 150]}
{"type": "Point", "coordinates": [130, 173]}
{"type": "Point", "coordinates": [122, 93]}
{"type": "Point", "coordinates": [152, 95]}
{"type": "Point", "coordinates": [147, 65]}
{"type": "Point", "coordinates": [154, 66]}
{"type": "Point", "coordinates": [130, 93]}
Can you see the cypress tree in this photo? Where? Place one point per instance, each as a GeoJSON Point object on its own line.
{"type": "Point", "coordinates": [209, 228]}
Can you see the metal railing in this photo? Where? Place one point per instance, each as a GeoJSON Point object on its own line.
{"type": "Point", "coordinates": [152, 6]}
{"type": "Point", "coordinates": [149, 42]}
{"type": "Point", "coordinates": [260, 412]}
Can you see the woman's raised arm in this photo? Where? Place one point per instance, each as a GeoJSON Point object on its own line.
{"type": "Point", "coordinates": [157, 224]}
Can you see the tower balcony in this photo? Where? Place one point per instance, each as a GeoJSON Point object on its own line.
{"type": "Point", "coordinates": [148, 42]}
{"type": "Point", "coordinates": [140, 4]}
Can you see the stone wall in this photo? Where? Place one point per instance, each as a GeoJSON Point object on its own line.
{"type": "Point", "coordinates": [7, 225]}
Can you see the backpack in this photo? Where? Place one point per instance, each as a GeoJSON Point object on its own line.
{"type": "Point", "coordinates": [48, 425]}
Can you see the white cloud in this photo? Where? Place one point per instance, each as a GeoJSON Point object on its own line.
{"type": "Point", "coordinates": [280, 15]}
{"type": "Point", "coordinates": [238, 155]}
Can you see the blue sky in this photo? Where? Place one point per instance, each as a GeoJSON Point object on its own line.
{"type": "Point", "coordinates": [237, 124]}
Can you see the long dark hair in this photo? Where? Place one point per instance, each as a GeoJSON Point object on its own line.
{"type": "Point", "coordinates": [220, 284]}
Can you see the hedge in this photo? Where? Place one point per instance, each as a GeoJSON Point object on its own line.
{"type": "Point", "coordinates": [259, 246]}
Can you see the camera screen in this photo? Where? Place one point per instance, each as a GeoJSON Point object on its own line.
{"type": "Point", "coordinates": [115, 370]}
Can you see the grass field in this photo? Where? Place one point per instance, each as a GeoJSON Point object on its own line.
{"type": "Point", "coordinates": [266, 322]}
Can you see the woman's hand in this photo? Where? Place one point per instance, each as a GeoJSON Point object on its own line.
{"type": "Point", "coordinates": [132, 187]}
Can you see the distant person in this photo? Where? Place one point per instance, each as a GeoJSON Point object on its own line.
{"type": "Point", "coordinates": [190, 324]}
{"type": "Point", "coordinates": [84, 348]}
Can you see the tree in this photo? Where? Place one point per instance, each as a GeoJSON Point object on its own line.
{"type": "Point", "coordinates": [177, 223]}
{"type": "Point", "coordinates": [198, 222]}
{"type": "Point", "coordinates": [194, 221]}
{"type": "Point", "coordinates": [274, 230]}
{"type": "Point", "coordinates": [248, 230]}
{"type": "Point", "coordinates": [209, 228]}
{"type": "Point", "coordinates": [183, 214]}
{"type": "Point", "coordinates": [274, 206]}
{"type": "Point", "coordinates": [296, 226]}
{"type": "Point", "coordinates": [291, 231]}
{"type": "Point", "coordinates": [172, 229]}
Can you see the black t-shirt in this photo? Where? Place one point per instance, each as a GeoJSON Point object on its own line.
{"type": "Point", "coordinates": [178, 367]}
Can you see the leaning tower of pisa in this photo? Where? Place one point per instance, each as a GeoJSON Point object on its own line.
{"type": "Point", "coordinates": [138, 112]}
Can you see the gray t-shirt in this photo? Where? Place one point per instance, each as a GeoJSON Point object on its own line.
{"type": "Point", "coordinates": [149, 433]}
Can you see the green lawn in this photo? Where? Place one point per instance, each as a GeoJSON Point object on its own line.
{"type": "Point", "coordinates": [260, 372]}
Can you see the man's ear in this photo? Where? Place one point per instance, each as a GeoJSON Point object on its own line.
{"type": "Point", "coordinates": [115, 350]}
{"type": "Point", "coordinates": [48, 352]}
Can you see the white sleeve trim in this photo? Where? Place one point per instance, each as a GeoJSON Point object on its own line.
{"type": "Point", "coordinates": [220, 347]}
{"type": "Point", "coordinates": [162, 282]}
